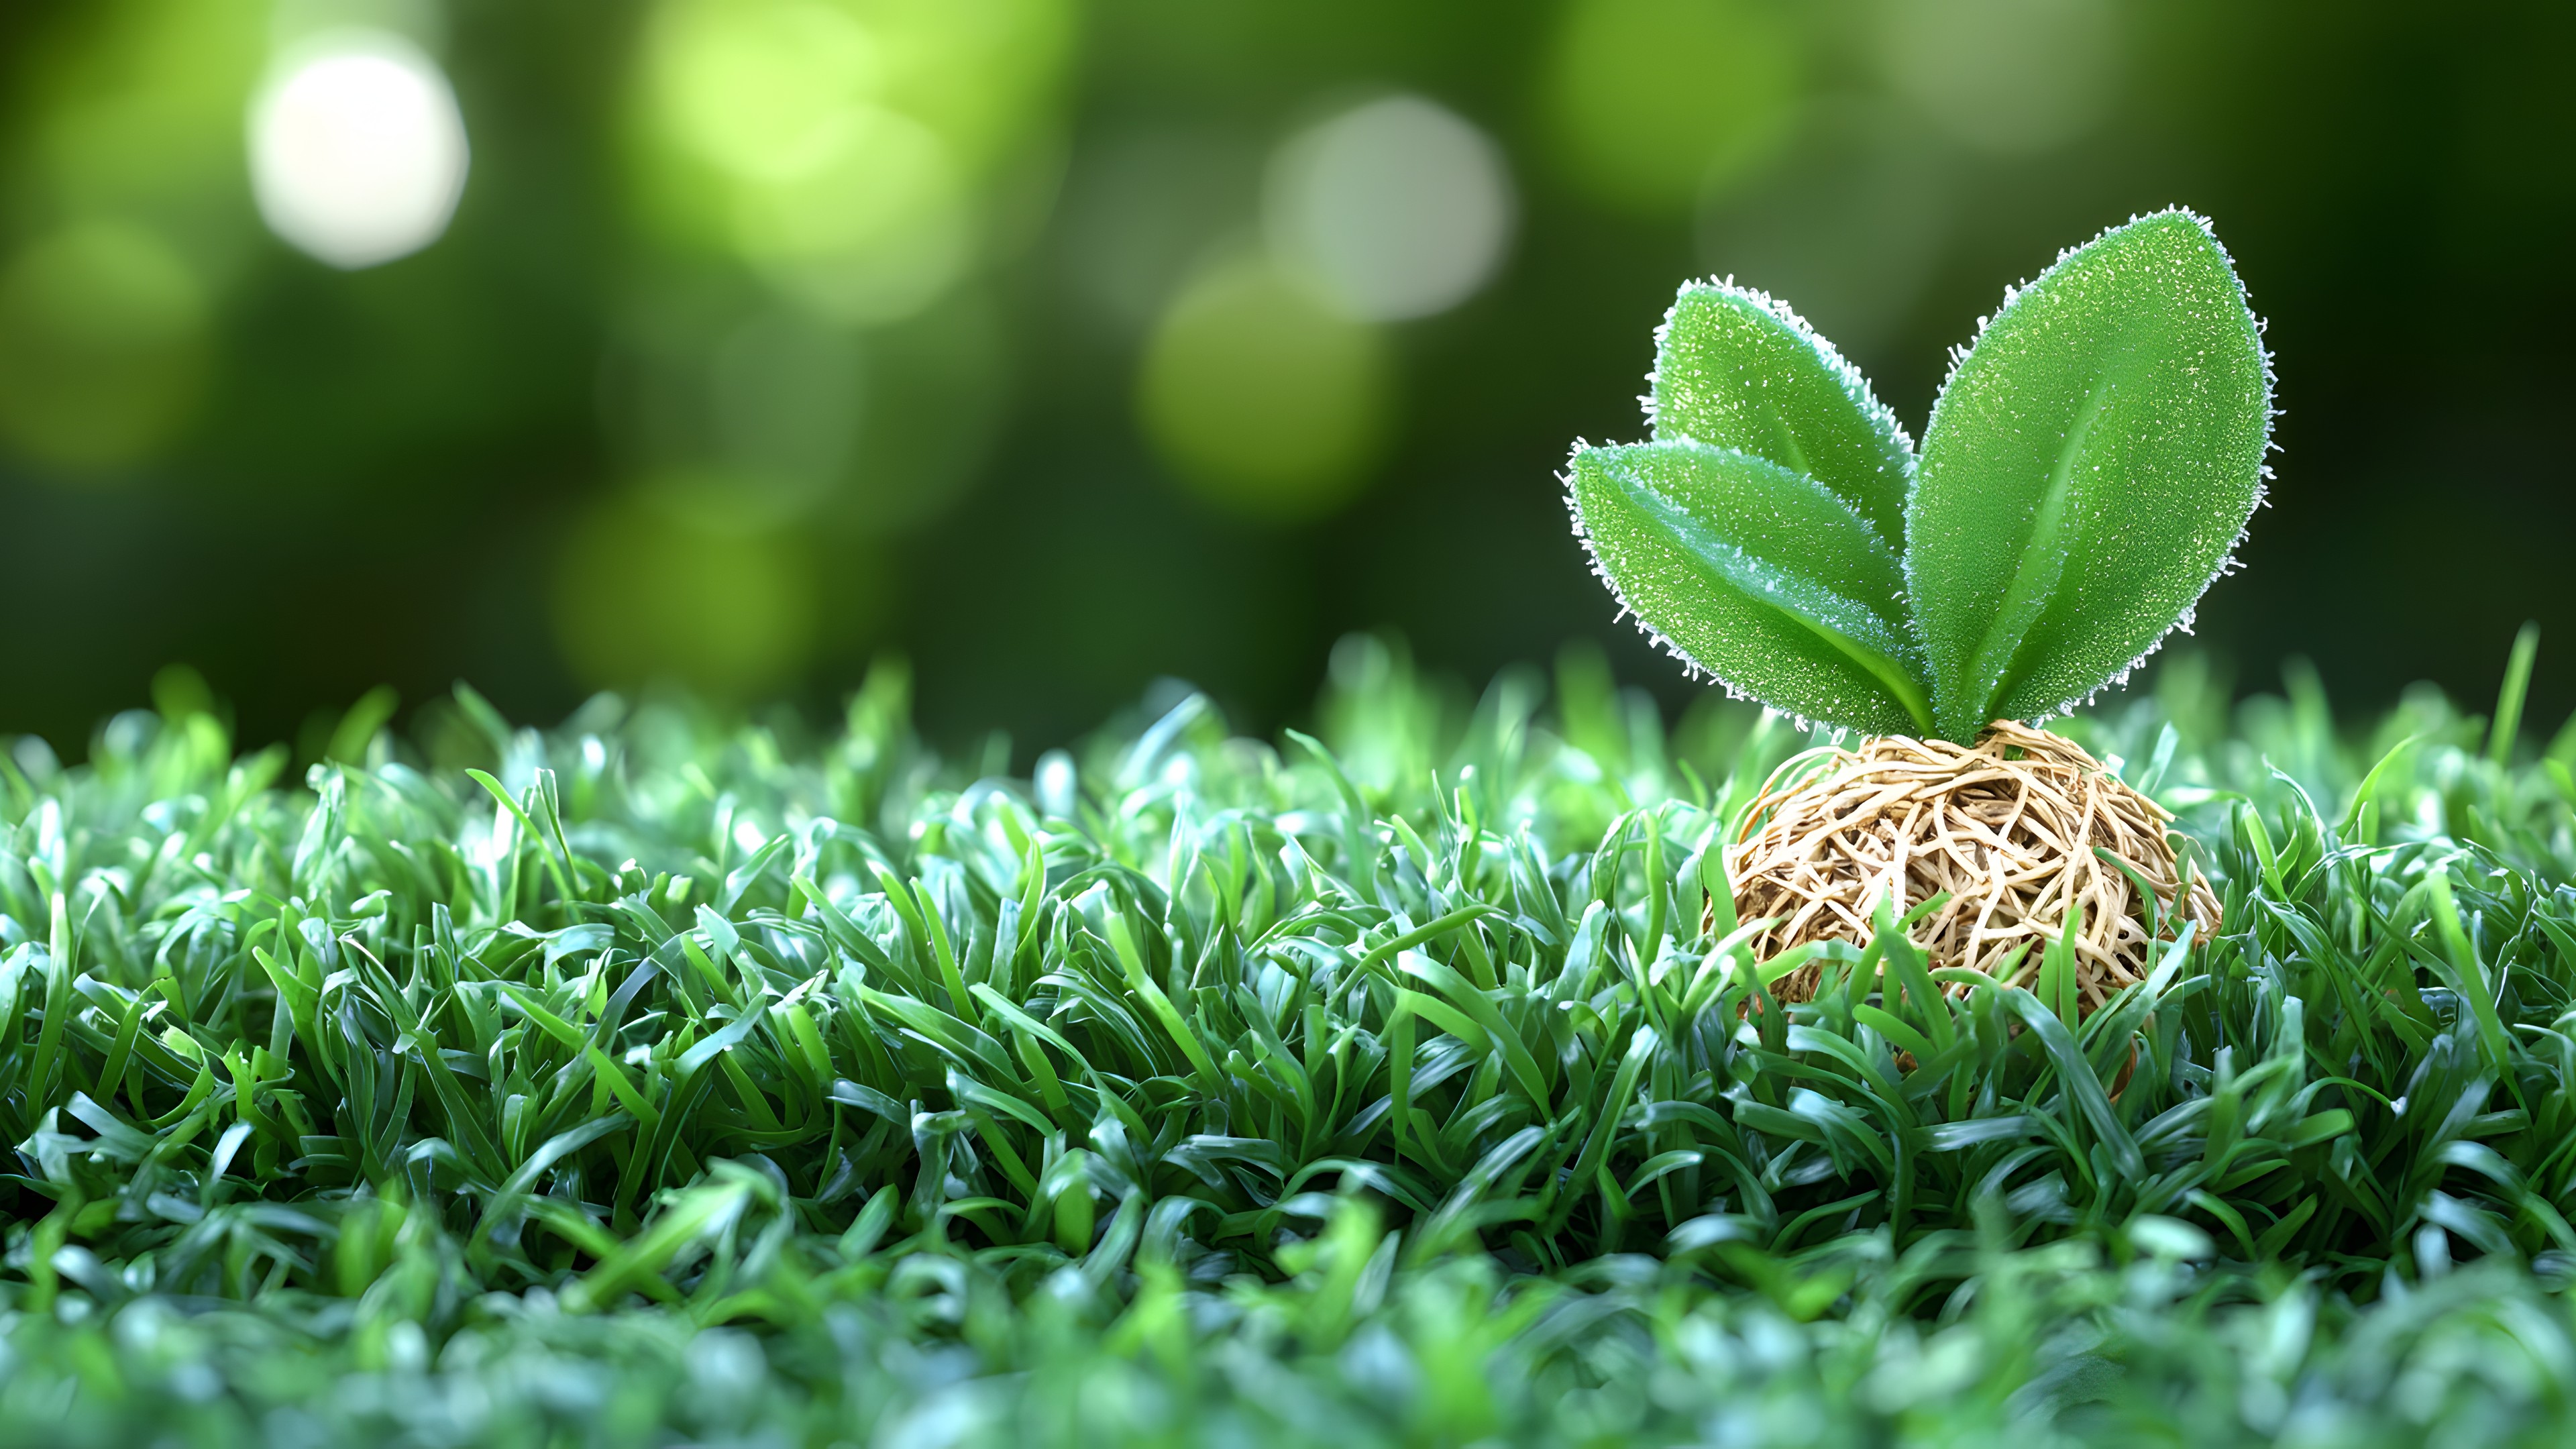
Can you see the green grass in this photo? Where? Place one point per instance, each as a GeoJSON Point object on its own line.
{"type": "Point", "coordinates": [677, 1082]}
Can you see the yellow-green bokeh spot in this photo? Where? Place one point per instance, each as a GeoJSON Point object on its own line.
{"type": "Point", "coordinates": [103, 337]}
{"type": "Point", "coordinates": [646, 593]}
{"type": "Point", "coordinates": [1653, 103]}
{"type": "Point", "coordinates": [839, 147]}
{"type": "Point", "coordinates": [1261, 397]}
{"type": "Point", "coordinates": [135, 109]}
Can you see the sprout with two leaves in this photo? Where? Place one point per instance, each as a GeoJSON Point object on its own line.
{"type": "Point", "coordinates": [2090, 465]}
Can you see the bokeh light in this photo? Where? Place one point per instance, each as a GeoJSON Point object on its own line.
{"type": "Point", "coordinates": [1654, 102]}
{"type": "Point", "coordinates": [772, 399]}
{"type": "Point", "coordinates": [2009, 77]}
{"type": "Point", "coordinates": [933, 391]}
{"type": "Point", "coordinates": [1262, 397]}
{"type": "Point", "coordinates": [647, 592]}
{"type": "Point", "coordinates": [837, 146]}
{"type": "Point", "coordinates": [1141, 206]}
{"type": "Point", "coordinates": [1006, 291]}
{"type": "Point", "coordinates": [789, 399]}
{"type": "Point", "coordinates": [103, 335]}
{"type": "Point", "coordinates": [1398, 208]}
{"type": "Point", "coordinates": [763, 90]}
{"type": "Point", "coordinates": [137, 109]}
{"type": "Point", "coordinates": [875, 232]}
{"type": "Point", "coordinates": [357, 149]}
{"type": "Point", "coordinates": [794, 417]}
{"type": "Point", "coordinates": [1849, 226]}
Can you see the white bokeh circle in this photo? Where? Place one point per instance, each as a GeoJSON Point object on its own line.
{"type": "Point", "coordinates": [357, 149]}
{"type": "Point", "coordinates": [1396, 208]}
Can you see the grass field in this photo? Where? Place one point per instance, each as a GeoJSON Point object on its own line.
{"type": "Point", "coordinates": [660, 1081]}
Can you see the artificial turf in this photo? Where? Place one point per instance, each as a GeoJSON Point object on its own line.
{"type": "Point", "coordinates": [662, 1080]}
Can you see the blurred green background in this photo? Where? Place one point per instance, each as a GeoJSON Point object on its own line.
{"type": "Point", "coordinates": [1064, 344]}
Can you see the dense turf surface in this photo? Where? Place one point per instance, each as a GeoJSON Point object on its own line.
{"type": "Point", "coordinates": [665, 1082]}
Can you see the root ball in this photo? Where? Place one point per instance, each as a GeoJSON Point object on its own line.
{"type": "Point", "coordinates": [2008, 828]}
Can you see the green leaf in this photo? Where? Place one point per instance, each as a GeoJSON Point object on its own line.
{"type": "Point", "coordinates": [1736, 368]}
{"type": "Point", "coordinates": [2090, 464]}
{"type": "Point", "coordinates": [1756, 574]}
{"type": "Point", "coordinates": [2517, 683]}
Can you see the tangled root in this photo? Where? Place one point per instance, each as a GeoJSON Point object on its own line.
{"type": "Point", "coordinates": [2007, 828]}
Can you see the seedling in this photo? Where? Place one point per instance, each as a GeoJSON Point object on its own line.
{"type": "Point", "coordinates": [2089, 468]}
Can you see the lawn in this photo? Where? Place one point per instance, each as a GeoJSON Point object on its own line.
{"type": "Point", "coordinates": [664, 1079]}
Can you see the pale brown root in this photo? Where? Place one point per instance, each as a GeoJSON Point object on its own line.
{"type": "Point", "coordinates": [2007, 828]}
